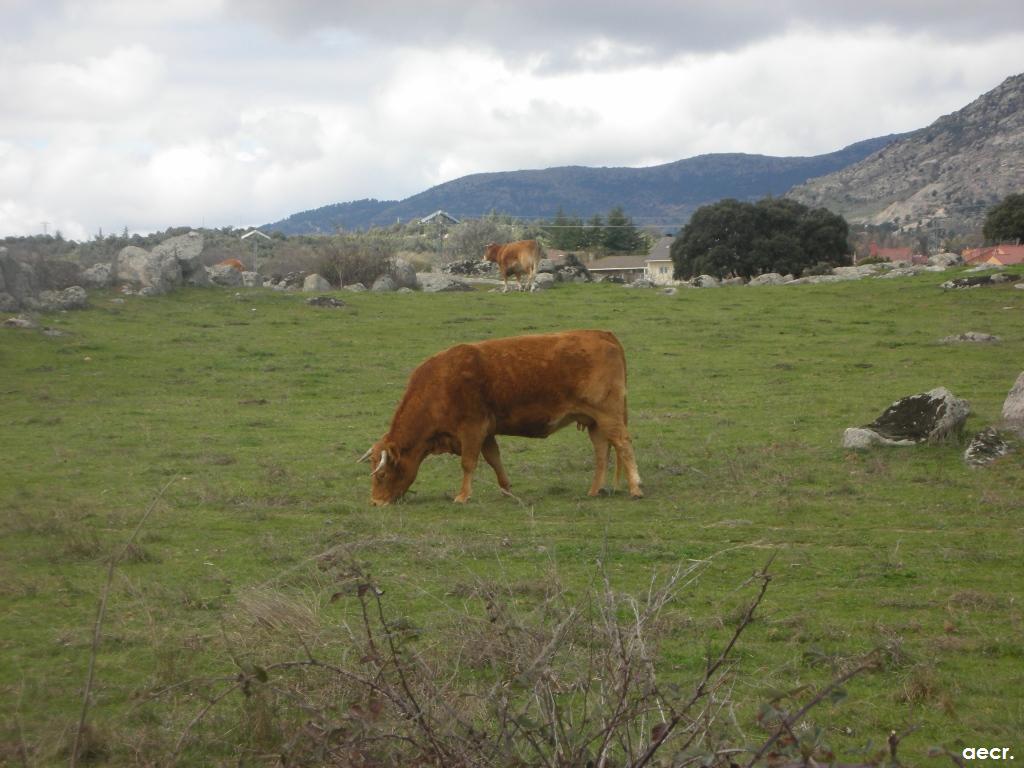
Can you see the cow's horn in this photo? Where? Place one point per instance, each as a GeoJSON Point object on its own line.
{"type": "Point", "coordinates": [366, 455]}
{"type": "Point", "coordinates": [383, 461]}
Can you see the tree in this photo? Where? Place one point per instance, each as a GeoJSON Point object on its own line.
{"type": "Point", "coordinates": [593, 235]}
{"type": "Point", "coordinates": [565, 233]}
{"type": "Point", "coordinates": [620, 235]}
{"type": "Point", "coordinates": [1004, 222]}
{"type": "Point", "coordinates": [748, 239]}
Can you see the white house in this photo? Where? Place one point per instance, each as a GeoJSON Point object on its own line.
{"type": "Point", "coordinates": [658, 264]}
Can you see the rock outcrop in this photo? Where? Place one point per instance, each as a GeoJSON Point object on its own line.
{"type": "Point", "coordinates": [933, 416]}
{"type": "Point", "coordinates": [1013, 408]}
{"type": "Point", "coordinates": [936, 174]}
{"type": "Point", "coordinates": [314, 284]}
{"type": "Point", "coordinates": [431, 282]}
{"type": "Point", "coordinates": [987, 446]}
{"type": "Point", "coordinates": [171, 264]}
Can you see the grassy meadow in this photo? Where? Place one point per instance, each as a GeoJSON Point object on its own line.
{"type": "Point", "coordinates": [252, 410]}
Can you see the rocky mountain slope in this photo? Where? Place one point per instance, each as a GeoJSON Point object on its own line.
{"type": "Point", "coordinates": [663, 194]}
{"type": "Point", "coordinates": [943, 177]}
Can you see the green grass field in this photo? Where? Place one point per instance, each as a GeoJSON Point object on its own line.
{"type": "Point", "coordinates": [258, 406]}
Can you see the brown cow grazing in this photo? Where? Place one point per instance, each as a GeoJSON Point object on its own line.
{"type": "Point", "coordinates": [233, 263]}
{"type": "Point", "coordinates": [518, 259]}
{"type": "Point", "coordinates": [528, 386]}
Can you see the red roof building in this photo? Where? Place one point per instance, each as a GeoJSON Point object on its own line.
{"type": "Point", "coordinates": [997, 255]}
{"type": "Point", "coordinates": [892, 254]}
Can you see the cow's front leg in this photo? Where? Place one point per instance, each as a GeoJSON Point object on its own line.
{"type": "Point", "coordinates": [470, 454]}
{"type": "Point", "coordinates": [601, 449]}
{"type": "Point", "coordinates": [492, 455]}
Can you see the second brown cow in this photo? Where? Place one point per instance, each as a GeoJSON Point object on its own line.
{"type": "Point", "coordinates": [518, 260]}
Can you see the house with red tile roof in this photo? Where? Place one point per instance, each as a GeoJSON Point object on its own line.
{"type": "Point", "coordinates": [996, 255]}
{"type": "Point", "coordinates": [892, 254]}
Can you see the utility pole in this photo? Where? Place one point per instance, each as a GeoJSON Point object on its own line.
{"type": "Point", "coordinates": [255, 247]}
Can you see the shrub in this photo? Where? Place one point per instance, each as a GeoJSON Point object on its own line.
{"type": "Point", "coordinates": [347, 261]}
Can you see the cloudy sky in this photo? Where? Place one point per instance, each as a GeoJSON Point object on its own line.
{"type": "Point", "coordinates": [154, 113]}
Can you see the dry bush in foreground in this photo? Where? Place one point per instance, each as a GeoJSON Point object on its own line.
{"type": "Point", "coordinates": [559, 683]}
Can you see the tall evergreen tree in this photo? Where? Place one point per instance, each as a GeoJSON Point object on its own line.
{"type": "Point", "coordinates": [620, 235]}
{"type": "Point", "coordinates": [593, 234]}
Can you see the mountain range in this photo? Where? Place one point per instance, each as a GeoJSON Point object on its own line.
{"type": "Point", "coordinates": [944, 176]}
{"type": "Point", "coordinates": [665, 195]}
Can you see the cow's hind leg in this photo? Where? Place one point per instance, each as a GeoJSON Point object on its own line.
{"type": "Point", "coordinates": [492, 455]}
{"type": "Point", "coordinates": [624, 457]}
{"type": "Point", "coordinates": [618, 436]}
{"type": "Point", "coordinates": [601, 450]}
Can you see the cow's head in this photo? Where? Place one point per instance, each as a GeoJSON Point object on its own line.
{"type": "Point", "coordinates": [392, 473]}
{"type": "Point", "coordinates": [491, 251]}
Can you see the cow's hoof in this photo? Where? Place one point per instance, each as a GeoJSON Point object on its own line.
{"type": "Point", "coordinates": [636, 494]}
{"type": "Point", "coordinates": [599, 492]}
{"type": "Point", "coordinates": [460, 499]}
{"type": "Point", "coordinates": [507, 492]}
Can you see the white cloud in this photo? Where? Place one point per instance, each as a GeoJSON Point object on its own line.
{"type": "Point", "coordinates": [210, 116]}
{"type": "Point", "coordinates": [94, 87]}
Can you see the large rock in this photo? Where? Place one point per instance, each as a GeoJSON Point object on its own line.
{"type": "Point", "coordinates": [174, 262]}
{"type": "Point", "coordinates": [383, 284]}
{"type": "Point", "coordinates": [945, 260]}
{"type": "Point", "coordinates": [768, 278]}
{"type": "Point", "coordinates": [198, 279]}
{"type": "Point", "coordinates": [817, 279]}
{"type": "Point", "coordinates": [546, 266]}
{"type": "Point", "coordinates": [1013, 408]}
{"type": "Point", "coordinates": [186, 249]}
{"type": "Point", "coordinates": [932, 416]}
{"type": "Point", "coordinates": [572, 270]}
{"type": "Point", "coordinates": [252, 279]}
{"type": "Point", "coordinates": [224, 275]}
{"type": "Point", "coordinates": [315, 284]}
{"type": "Point", "coordinates": [55, 301]}
{"type": "Point", "coordinates": [469, 268]}
{"type": "Point", "coordinates": [908, 271]}
{"type": "Point", "coordinates": [431, 282]}
{"type": "Point", "coordinates": [98, 275]}
{"type": "Point", "coordinates": [988, 445]}
{"type": "Point", "coordinates": [18, 280]}
{"type": "Point", "coordinates": [857, 272]}
{"type": "Point", "coordinates": [157, 272]}
{"type": "Point", "coordinates": [543, 280]}
{"type": "Point", "coordinates": [705, 281]}
{"type": "Point", "coordinates": [974, 282]}
{"type": "Point", "coordinates": [403, 273]}
{"type": "Point", "coordinates": [22, 322]}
